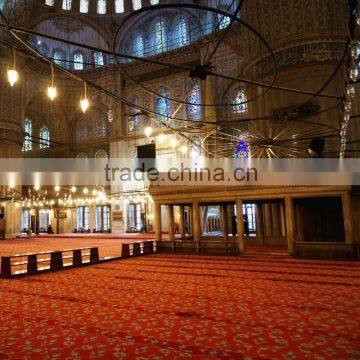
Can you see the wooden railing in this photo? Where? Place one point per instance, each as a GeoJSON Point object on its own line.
{"type": "Point", "coordinates": [33, 263]}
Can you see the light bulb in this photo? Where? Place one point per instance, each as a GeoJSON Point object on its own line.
{"type": "Point", "coordinates": [184, 149]}
{"type": "Point", "coordinates": [85, 191]}
{"type": "Point", "coordinates": [52, 92]}
{"type": "Point", "coordinates": [173, 143]}
{"type": "Point", "coordinates": [148, 131]}
{"type": "Point", "coordinates": [161, 138]}
{"type": "Point", "coordinates": [37, 187]}
{"type": "Point", "coordinates": [94, 192]}
{"type": "Point", "coordinates": [350, 91]}
{"type": "Point", "coordinates": [73, 189]}
{"type": "Point", "coordinates": [84, 104]}
{"type": "Point", "coordinates": [57, 188]}
{"type": "Point", "coordinates": [12, 76]}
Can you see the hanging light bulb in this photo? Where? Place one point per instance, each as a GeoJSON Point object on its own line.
{"type": "Point", "coordinates": [161, 138]}
{"type": "Point", "coordinates": [85, 191]}
{"type": "Point", "coordinates": [57, 188]}
{"type": "Point", "coordinates": [173, 143]}
{"type": "Point", "coordinates": [148, 131]}
{"type": "Point", "coordinates": [184, 149]}
{"type": "Point", "coordinates": [52, 92]}
{"type": "Point", "coordinates": [84, 103]}
{"type": "Point", "coordinates": [73, 189]}
{"type": "Point", "coordinates": [12, 74]}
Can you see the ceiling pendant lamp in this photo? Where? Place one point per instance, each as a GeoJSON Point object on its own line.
{"type": "Point", "coordinates": [52, 92]}
{"type": "Point", "coordinates": [12, 74]}
{"type": "Point", "coordinates": [84, 103]}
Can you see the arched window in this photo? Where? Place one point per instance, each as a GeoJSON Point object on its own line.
{"type": "Point", "coordinates": [59, 58]}
{"type": "Point", "coordinates": [136, 4]}
{"type": "Point", "coordinates": [119, 6]}
{"type": "Point", "coordinates": [78, 61]}
{"type": "Point", "coordinates": [243, 149]}
{"type": "Point", "coordinates": [159, 36]}
{"type": "Point", "coordinates": [181, 32]}
{"type": "Point", "coordinates": [194, 111]}
{"type": "Point", "coordinates": [44, 137]}
{"type": "Point", "coordinates": [139, 45]}
{"type": "Point", "coordinates": [99, 127]}
{"type": "Point", "coordinates": [84, 6]}
{"type": "Point", "coordinates": [81, 131]}
{"type": "Point", "coordinates": [27, 145]}
{"type": "Point", "coordinates": [66, 4]}
{"type": "Point", "coordinates": [223, 21]}
{"type": "Point", "coordinates": [101, 7]}
{"type": "Point", "coordinates": [101, 154]}
{"type": "Point", "coordinates": [134, 119]}
{"type": "Point", "coordinates": [98, 59]}
{"type": "Point", "coordinates": [239, 102]}
{"type": "Point", "coordinates": [163, 106]}
{"type": "Point", "coordinates": [49, 2]}
{"type": "Point", "coordinates": [42, 48]}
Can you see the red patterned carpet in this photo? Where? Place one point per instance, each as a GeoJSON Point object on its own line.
{"type": "Point", "coordinates": [180, 307]}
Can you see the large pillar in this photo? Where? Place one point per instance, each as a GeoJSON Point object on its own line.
{"type": "Point", "coordinates": [182, 222]}
{"type": "Point", "coordinates": [196, 223]}
{"type": "Point", "coordinates": [170, 214]}
{"type": "Point", "coordinates": [157, 221]}
{"type": "Point", "coordinates": [240, 225]}
{"type": "Point", "coordinates": [290, 226]}
{"type": "Point", "coordinates": [346, 205]}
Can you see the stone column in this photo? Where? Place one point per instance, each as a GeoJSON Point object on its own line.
{"type": "Point", "coordinates": [196, 223]}
{"type": "Point", "coordinates": [157, 222]}
{"type": "Point", "coordinates": [290, 226]}
{"type": "Point", "coordinates": [170, 214]}
{"type": "Point", "coordinates": [182, 222]}
{"type": "Point", "coordinates": [346, 206]}
{"type": "Point", "coordinates": [240, 225]}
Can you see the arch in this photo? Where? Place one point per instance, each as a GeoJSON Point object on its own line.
{"type": "Point", "coordinates": [59, 58]}
{"type": "Point", "coordinates": [44, 137]}
{"type": "Point", "coordinates": [81, 155]}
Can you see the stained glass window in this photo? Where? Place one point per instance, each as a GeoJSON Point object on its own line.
{"type": "Point", "coordinates": [182, 37]}
{"type": "Point", "coordinates": [119, 6]}
{"type": "Point", "coordinates": [98, 59]}
{"type": "Point", "coordinates": [136, 4]}
{"type": "Point", "coordinates": [44, 137]}
{"type": "Point", "coordinates": [159, 36]}
{"type": "Point", "coordinates": [78, 61]}
{"type": "Point", "coordinates": [27, 145]}
{"type": "Point", "coordinates": [84, 6]}
{"type": "Point", "coordinates": [99, 128]}
{"type": "Point", "coordinates": [66, 4]}
{"type": "Point", "coordinates": [139, 45]}
{"type": "Point", "coordinates": [194, 111]}
{"type": "Point", "coordinates": [134, 121]}
{"type": "Point", "coordinates": [49, 2]}
{"type": "Point", "coordinates": [242, 146]}
{"type": "Point", "coordinates": [101, 154]}
{"type": "Point", "coordinates": [81, 131]}
{"type": "Point", "coordinates": [163, 108]}
{"type": "Point", "coordinates": [239, 102]}
{"type": "Point", "coordinates": [58, 58]}
{"type": "Point", "coordinates": [101, 7]}
{"type": "Point", "coordinates": [223, 21]}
